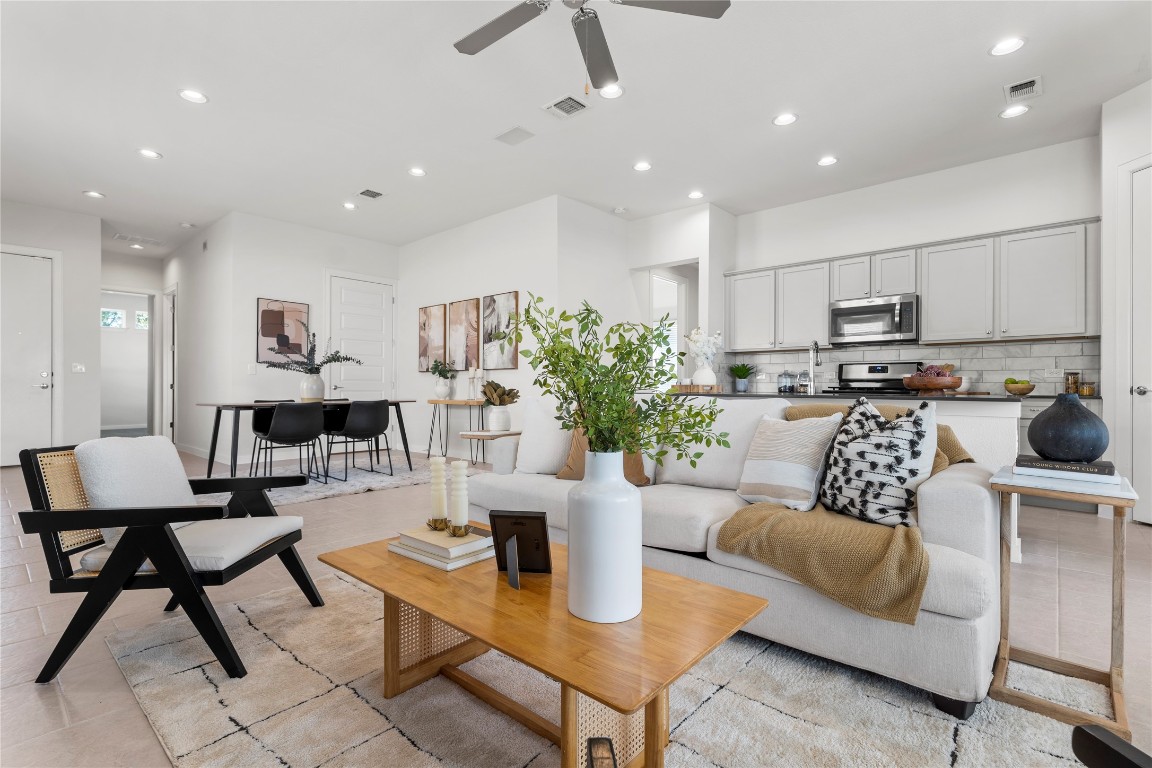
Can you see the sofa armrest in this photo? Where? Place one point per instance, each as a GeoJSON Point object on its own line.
{"type": "Point", "coordinates": [502, 454]}
{"type": "Point", "coordinates": [958, 509]}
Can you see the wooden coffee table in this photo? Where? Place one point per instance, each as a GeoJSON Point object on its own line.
{"type": "Point", "coordinates": [614, 678]}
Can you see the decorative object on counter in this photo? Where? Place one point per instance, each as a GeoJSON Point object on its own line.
{"type": "Point", "coordinates": [498, 399]}
{"type": "Point", "coordinates": [432, 322]}
{"type": "Point", "coordinates": [594, 375]}
{"type": "Point", "coordinates": [703, 349]}
{"type": "Point", "coordinates": [439, 490]}
{"type": "Point", "coordinates": [1087, 389]}
{"type": "Point", "coordinates": [786, 383]}
{"type": "Point", "coordinates": [696, 389]}
{"type": "Point", "coordinates": [804, 383]}
{"type": "Point", "coordinates": [444, 375]}
{"type": "Point", "coordinates": [965, 384]}
{"type": "Point", "coordinates": [312, 387]}
{"type": "Point", "coordinates": [458, 499]}
{"type": "Point", "coordinates": [1067, 431]}
{"type": "Point", "coordinates": [933, 378]}
{"type": "Point", "coordinates": [285, 322]}
{"type": "Point", "coordinates": [1018, 388]}
{"type": "Point", "coordinates": [1071, 382]}
{"type": "Point", "coordinates": [741, 372]}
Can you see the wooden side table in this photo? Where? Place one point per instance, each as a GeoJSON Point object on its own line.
{"type": "Point", "coordinates": [1121, 498]}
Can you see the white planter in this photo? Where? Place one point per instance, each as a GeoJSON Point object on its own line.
{"type": "Point", "coordinates": [704, 376]}
{"type": "Point", "coordinates": [499, 418]}
{"type": "Point", "coordinates": [442, 389]}
{"type": "Point", "coordinates": [605, 561]}
{"type": "Point", "coordinates": [312, 388]}
{"type": "Point", "coordinates": [741, 385]}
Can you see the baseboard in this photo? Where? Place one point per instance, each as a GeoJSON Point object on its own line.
{"type": "Point", "coordinates": [123, 426]}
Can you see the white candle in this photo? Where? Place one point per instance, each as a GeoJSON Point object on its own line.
{"type": "Point", "coordinates": [459, 506]}
{"type": "Point", "coordinates": [439, 491]}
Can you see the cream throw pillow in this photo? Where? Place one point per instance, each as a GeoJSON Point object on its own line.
{"type": "Point", "coordinates": [785, 461]}
{"type": "Point", "coordinates": [544, 445]}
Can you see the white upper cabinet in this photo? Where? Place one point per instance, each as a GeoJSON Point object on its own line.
{"type": "Point", "coordinates": [956, 291]}
{"type": "Point", "coordinates": [894, 273]}
{"type": "Point", "coordinates": [752, 311]}
{"type": "Point", "coordinates": [852, 278]}
{"type": "Point", "coordinates": [1042, 283]}
{"type": "Point", "coordinates": [802, 305]}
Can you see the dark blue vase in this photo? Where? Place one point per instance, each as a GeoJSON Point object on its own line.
{"type": "Point", "coordinates": [1067, 431]}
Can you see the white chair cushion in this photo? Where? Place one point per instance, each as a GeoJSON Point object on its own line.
{"type": "Point", "coordinates": [544, 445]}
{"type": "Point", "coordinates": [213, 545]}
{"type": "Point", "coordinates": [120, 472]}
{"type": "Point", "coordinates": [721, 467]}
{"type": "Point", "coordinates": [678, 516]}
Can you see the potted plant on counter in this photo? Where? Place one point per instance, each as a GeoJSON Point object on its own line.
{"type": "Point", "coordinates": [444, 374]}
{"type": "Point", "coordinates": [312, 386]}
{"type": "Point", "coordinates": [498, 399]}
{"type": "Point", "coordinates": [595, 375]}
{"type": "Point", "coordinates": [741, 372]}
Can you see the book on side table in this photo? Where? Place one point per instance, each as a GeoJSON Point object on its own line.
{"type": "Point", "coordinates": [1087, 472]}
{"type": "Point", "coordinates": [438, 549]}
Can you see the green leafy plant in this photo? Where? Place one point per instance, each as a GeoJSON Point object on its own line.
{"type": "Point", "coordinates": [596, 376]}
{"type": "Point", "coordinates": [442, 369]}
{"type": "Point", "coordinates": [307, 363]}
{"type": "Point", "coordinates": [741, 370]}
{"type": "Point", "coordinates": [496, 394]}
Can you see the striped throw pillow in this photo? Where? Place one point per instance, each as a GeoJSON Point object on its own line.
{"type": "Point", "coordinates": [785, 461]}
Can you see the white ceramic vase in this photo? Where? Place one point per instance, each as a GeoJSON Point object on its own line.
{"type": "Point", "coordinates": [704, 376]}
{"type": "Point", "coordinates": [443, 388]}
{"type": "Point", "coordinates": [312, 388]}
{"type": "Point", "coordinates": [605, 560]}
{"type": "Point", "coordinates": [499, 418]}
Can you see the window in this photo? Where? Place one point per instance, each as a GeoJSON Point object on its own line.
{"type": "Point", "coordinates": [113, 318]}
{"type": "Point", "coordinates": [141, 320]}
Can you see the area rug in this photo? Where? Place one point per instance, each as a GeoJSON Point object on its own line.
{"type": "Point", "coordinates": [359, 480]}
{"type": "Point", "coordinates": [312, 698]}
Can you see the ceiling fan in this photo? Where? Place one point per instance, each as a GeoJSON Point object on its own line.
{"type": "Point", "coordinates": [586, 24]}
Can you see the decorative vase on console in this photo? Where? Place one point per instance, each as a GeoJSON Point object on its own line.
{"type": "Point", "coordinates": [312, 387]}
{"type": "Point", "coordinates": [498, 398]}
{"type": "Point", "coordinates": [444, 374]}
{"type": "Point", "coordinates": [1068, 431]}
{"type": "Point", "coordinates": [704, 349]}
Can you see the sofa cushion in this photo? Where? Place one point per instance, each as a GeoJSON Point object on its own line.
{"type": "Point", "coordinates": [720, 467]}
{"type": "Point", "coordinates": [522, 493]}
{"type": "Point", "coordinates": [785, 461]}
{"type": "Point", "coordinates": [678, 516]}
{"type": "Point", "coordinates": [959, 584]}
{"type": "Point", "coordinates": [544, 445]}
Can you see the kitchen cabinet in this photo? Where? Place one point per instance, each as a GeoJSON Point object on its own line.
{"type": "Point", "coordinates": [752, 311]}
{"type": "Point", "coordinates": [801, 305]}
{"type": "Point", "coordinates": [957, 284]}
{"type": "Point", "coordinates": [882, 274]}
{"type": "Point", "coordinates": [1042, 283]}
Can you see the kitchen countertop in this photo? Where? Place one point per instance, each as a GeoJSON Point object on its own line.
{"type": "Point", "coordinates": [908, 396]}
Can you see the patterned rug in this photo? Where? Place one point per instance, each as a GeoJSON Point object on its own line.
{"type": "Point", "coordinates": [312, 698]}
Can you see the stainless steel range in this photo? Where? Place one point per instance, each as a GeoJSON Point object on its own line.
{"type": "Point", "coordinates": [874, 378]}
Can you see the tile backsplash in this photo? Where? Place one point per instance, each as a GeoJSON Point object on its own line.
{"type": "Point", "coordinates": [987, 365]}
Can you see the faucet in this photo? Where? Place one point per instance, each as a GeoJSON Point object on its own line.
{"type": "Point", "coordinates": [813, 362]}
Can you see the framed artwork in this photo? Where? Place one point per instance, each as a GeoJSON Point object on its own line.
{"type": "Point", "coordinates": [431, 343]}
{"type": "Point", "coordinates": [500, 315]}
{"type": "Point", "coordinates": [464, 334]}
{"type": "Point", "coordinates": [280, 327]}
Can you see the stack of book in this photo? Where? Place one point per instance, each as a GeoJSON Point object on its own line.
{"type": "Point", "coordinates": [1086, 472]}
{"type": "Point", "coordinates": [438, 549]}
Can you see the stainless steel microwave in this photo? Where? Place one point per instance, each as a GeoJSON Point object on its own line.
{"type": "Point", "coordinates": [879, 320]}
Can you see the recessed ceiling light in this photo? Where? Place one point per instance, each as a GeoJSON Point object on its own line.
{"type": "Point", "coordinates": [618, 209]}
{"type": "Point", "coordinates": [1004, 47]}
{"type": "Point", "coordinates": [193, 96]}
{"type": "Point", "coordinates": [827, 160]}
{"type": "Point", "coordinates": [643, 165]}
{"type": "Point", "coordinates": [417, 172]}
{"type": "Point", "coordinates": [695, 194]}
{"type": "Point", "coordinates": [785, 119]}
{"type": "Point", "coordinates": [613, 91]}
{"type": "Point", "coordinates": [1015, 110]}
{"type": "Point", "coordinates": [186, 225]}
{"type": "Point", "coordinates": [137, 246]}
{"type": "Point", "coordinates": [93, 193]}
{"type": "Point", "coordinates": [151, 154]}
{"type": "Point", "coordinates": [350, 206]}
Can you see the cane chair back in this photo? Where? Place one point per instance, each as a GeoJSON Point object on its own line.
{"type": "Point", "coordinates": [53, 481]}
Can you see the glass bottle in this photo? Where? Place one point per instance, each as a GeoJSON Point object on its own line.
{"type": "Point", "coordinates": [803, 383]}
{"type": "Point", "coordinates": [1071, 382]}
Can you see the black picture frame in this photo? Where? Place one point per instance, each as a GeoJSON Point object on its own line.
{"type": "Point", "coordinates": [531, 532]}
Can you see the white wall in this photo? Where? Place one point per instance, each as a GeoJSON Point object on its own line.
{"type": "Point", "coordinates": [1042, 186]}
{"type": "Point", "coordinates": [676, 237]}
{"type": "Point", "coordinates": [124, 366]}
{"type": "Point", "coordinates": [593, 262]}
{"type": "Point", "coordinates": [77, 237]}
{"type": "Point", "coordinates": [141, 273]}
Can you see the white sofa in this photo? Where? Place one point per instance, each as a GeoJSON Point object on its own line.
{"type": "Point", "coordinates": [948, 652]}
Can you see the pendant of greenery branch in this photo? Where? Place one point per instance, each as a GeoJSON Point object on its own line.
{"type": "Point", "coordinates": [307, 363]}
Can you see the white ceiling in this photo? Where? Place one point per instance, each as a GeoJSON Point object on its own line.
{"type": "Point", "coordinates": [313, 101]}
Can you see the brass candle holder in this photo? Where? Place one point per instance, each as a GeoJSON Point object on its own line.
{"type": "Point", "coordinates": [459, 530]}
{"type": "Point", "coordinates": [438, 523]}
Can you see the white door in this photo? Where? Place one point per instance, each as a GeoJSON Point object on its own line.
{"type": "Point", "coordinates": [894, 273]}
{"type": "Point", "coordinates": [360, 319]}
{"type": "Point", "coordinates": [956, 292]}
{"type": "Point", "coordinates": [752, 311]}
{"type": "Point", "coordinates": [802, 305]}
{"type": "Point", "coordinates": [1142, 342]}
{"type": "Point", "coordinates": [168, 366]}
{"type": "Point", "coordinates": [26, 338]}
{"type": "Point", "coordinates": [851, 278]}
{"type": "Point", "coordinates": [1042, 278]}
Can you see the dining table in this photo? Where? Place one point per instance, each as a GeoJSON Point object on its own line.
{"type": "Point", "coordinates": [237, 408]}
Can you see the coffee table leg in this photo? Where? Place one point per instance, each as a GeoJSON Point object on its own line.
{"type": "Point", "coordinates": [656, 730]}
{"type": "Point", "coordinates": [417, 645]}
{"type": "Point", "coordinates": [569, 727]}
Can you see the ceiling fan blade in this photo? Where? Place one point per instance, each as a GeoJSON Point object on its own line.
{"type": "Point", "coordinates": [597, 57]}
{"type": "Point", "coordinates": [502, 25]}
{"type": "Point", "coordinates": [712, 9]}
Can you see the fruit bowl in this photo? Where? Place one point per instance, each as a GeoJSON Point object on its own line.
{"type": "Point", "coordinates": [932, 383]}
{"type": "Point", "coordinates": [1019, 390]}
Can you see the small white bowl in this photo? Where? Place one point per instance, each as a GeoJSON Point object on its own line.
{"type": "Point", "coordinates": [965, 384]}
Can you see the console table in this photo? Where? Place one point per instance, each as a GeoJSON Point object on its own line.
{"type": "Point", "coordinates": [441, 410]}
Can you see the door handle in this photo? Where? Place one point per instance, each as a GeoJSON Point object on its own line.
{"type": "Point", "coordinates": [45, 385]}
{"type": "Point", "coordinates": [1138, 391]}
{"type": "Point", "coordinates": [337, 386]}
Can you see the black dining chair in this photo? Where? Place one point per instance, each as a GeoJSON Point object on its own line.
{"type": "Point", "coordinates": [365, 421]}
{"type": "Point", "coordinates": [293, 425]}
{"type": "Point", "coordinates": [261, 420]}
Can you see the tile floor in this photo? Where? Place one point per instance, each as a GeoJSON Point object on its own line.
{"type": "Point", "coordinates": [89, 717]}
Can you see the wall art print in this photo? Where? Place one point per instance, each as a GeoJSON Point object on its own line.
{"type": "Point", "coordinates": [432, 324]}
{"type": "Point", "coordinates": [280, 326]}
{"type": "Point", "coordinates": [464, 334]}
{"type": "Point", "coordinates": [499, 316]}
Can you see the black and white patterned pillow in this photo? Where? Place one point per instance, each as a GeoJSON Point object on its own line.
{"type": "Point", "coordinates": [876, 465]}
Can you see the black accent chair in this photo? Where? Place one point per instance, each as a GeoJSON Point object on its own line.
{"type": "Point", "coordinates": [365, 421]}
{"type": "Point", "coordinates": [294, 425]}
{"type": "Point", "coordinates": [1098, 747]}
{"type": "Point", "coordinates": [261, 421]}
{"type": "Point", "coordinates": [67, 526]}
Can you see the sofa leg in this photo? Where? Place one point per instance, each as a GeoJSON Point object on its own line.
{"type": "Point", "coordinates": [961, 710]}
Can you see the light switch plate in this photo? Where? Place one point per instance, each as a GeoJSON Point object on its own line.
{"type": "Point", "coordinates": [1053, 373]}
{"type": "Point", "coordinates": [78, 368]}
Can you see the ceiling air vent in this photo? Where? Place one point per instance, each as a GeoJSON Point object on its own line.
{"type": "Point", "coordinates": [565, 107]}
{"type": "Point", "coordinates": [515, 136]}
{"type": "Point", "coordinates": [1024, 90]}
{"type": "Point", "coordinates": [371, 193]}
{"type": "Point", "coordinates": [137, 240]}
